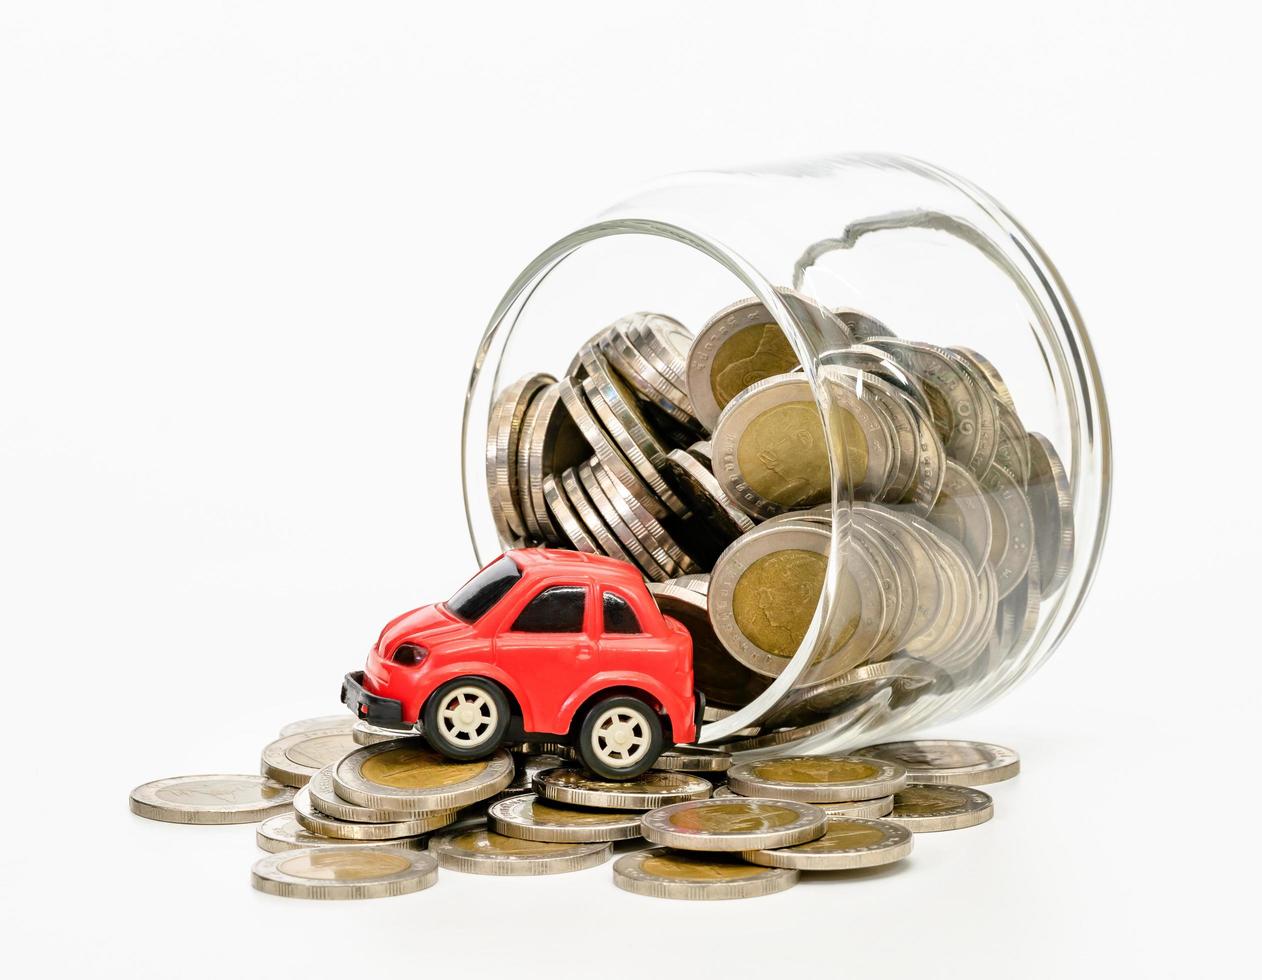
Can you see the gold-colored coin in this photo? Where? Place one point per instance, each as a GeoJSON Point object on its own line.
{"type": "Point", "coordinates": [216, 799]}
{"type": "Point", "coordinates": [402, 775]}
{"type": "Point", "coordinates": [846, 844]}
{"type": "Point", "coordinates": [283, 832]}
{"type": "Point", "coordinates": [662, 873]}
{"type": "Point", "coordinates": [344, 872]}
{"type": "Point", "coordinates": [294, 759]}
{"type": "Point", "coordinates": [927, 809]}
{"type": "Point", "coordinates": [648, 790]}
{"type": "Point", "coordinates": [485, 852]}
{"type": "Point", "coordinates": [733, 824]}
{"type": "Point", "coordinates": [531, 818]}
{"type": "Point", "coordinates": [818, 778]}
{"type": "Point", "coordinates": [945, 760]}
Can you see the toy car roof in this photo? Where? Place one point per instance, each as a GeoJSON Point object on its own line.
{"type": "Point", "coordinates": [600, 566]}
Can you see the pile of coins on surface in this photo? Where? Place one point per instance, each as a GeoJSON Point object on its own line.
{"type": "Point", "coordinates": [365, 813]}
{"type": "Point", "coordinates": [703, 461]}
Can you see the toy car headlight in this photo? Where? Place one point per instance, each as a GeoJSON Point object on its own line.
{"type": "Point", "coordinates": [409, 655]}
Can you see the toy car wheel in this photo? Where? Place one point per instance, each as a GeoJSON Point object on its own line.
{"type": "Point", "coordinates": [620, 738]}
{"type": "Point", "coordinates": [466, 718]}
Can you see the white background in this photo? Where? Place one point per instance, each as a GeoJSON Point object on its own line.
{"type": "Point", "coordinates": [246, 251]}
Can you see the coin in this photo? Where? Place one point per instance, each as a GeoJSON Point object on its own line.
{"type": "Point", "coordinates": [1012, 528]}
{"type": "Point", "coordinates": [846, 844]}
{"type": "Point", "coordinates": [807, 702]}
{"type": "Point", "coordinates": [642, 349]}
{"type": "Point", "coordinates": [650, 789]}
{"type": "Point", "coordinates": [771, 453]}
{"type": "Point", "coordinates": [716, 673]}
{"type": "Point", "coordinates": [1052, 503]}
{"type": "Point", "coordinates": [590, 519]}
{"type": "Point", "coordinates": [321, 823]}
{"type": "Point", "coordinates": [565, 517]}
{"type": "Point", "coordinates": [324, 798]}
{"type": "Point", "coordinates": [961, 511]}
{"type": "Point", "coordinates": [283, 832]}
{"type": "Point", "coordinates": [294, 759]}
{"type": "Point", "coordinates": [989, 372]}
{"type": "Point", "coordinates": [343, 720]}
{"type": "Point", "coordinates": [742, 344]}
{"type": "Point", "coordinates": [650, 535]}
{"type": "Point", "coordinates": [927, 809]}
{"type": "Point", "coordinates": [733, 824]}
{"type": "Point", "coordinates": [863, 809]}
{"type": "Point", "coordinates": [764, 590]}
{"type": "Point", "coordinates": [818, 778]}
{"type": "Point", "coordinates": [698, 487]}
{"type": "Point", "coordinates": [694, 758]}
{"type": "Point", "coordinates": [550, 443]}
{"type": "Point", "coordinates": [400, 775]}
{"type": "Point", "coordinates": [344, 872]}
{"type": "Point", "coordinates": [663, 873]}
{"type": "Point", "coordinates": [484, 852]}
{"type": "Point", "coordinates": [503, 433]}
{"type": "Point", "coordinates": [532, 818]}
{"type": "Point", "coordinates": [211, 799]}
{"type": "Point", "coordinates": [366, 734]}
{"type": "Point", "coordinates": [944, 760]}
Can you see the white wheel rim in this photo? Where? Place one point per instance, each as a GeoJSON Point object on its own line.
{"type": "Point", "coordinates": [468, 716]}
{"type": "Point", "coordinates": [621, 737]}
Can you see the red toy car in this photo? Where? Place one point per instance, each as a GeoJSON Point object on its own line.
{"type": "Point", "coordinates": [540, 644]}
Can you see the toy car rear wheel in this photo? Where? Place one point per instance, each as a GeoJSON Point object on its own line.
{"type": "Point", "coordinates": [620, 737]}
{"type": "Point", "coordinates": [466, 718]}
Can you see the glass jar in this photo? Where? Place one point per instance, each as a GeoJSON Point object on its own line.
{"type": "Point", "coordinates": [889, 383]}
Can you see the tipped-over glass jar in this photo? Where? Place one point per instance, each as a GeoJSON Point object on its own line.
{"type": "Point", "coordinates": [842, 413]}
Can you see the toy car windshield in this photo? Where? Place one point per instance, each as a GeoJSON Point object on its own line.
{"type": "Point", "coordinates": [485, 589]}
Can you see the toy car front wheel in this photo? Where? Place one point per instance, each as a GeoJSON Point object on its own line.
{"type": "Point", "coordinates": [466, 718]}
{"type": "Point", "coordinates": [620, 737]}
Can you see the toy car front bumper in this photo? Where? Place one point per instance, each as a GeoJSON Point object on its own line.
{"type": "Point", "coordinates": [376, 710]}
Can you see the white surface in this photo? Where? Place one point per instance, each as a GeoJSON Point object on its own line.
{"type": "Point", "coordinates": [245, 254]}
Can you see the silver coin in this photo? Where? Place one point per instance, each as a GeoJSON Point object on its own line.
{"type": "Point", "coordinates": [929, 613]}
{"type": "Point", "coordinates": [716, 673]}
{"type": "Point", "coordinates": [283, 832]}
{"type": "Point", "coordinates": [294, 759]}
{"type": "Point", "coordinates": [616, 408]}
{"type": "Point", "coordinates": [699, 582]}
{"type": "Point", "coordinates": [848, 843]}
{"type": "Point", "coordinates": [742, 344]}
{"type": "Point", "coordinates": [344, 872]}
{"type": "Point", "coordinates": [365, 734]}
{"type": "Point", "coordinates": [565, 518]}
{"type": "Point", "coordinates": [664, 873]}
{"type": "Point", "coordinates": [532, 818]}
{"type": "Point", "coordinates": [771, 452]}
{"type": "Point", "coordinates": [962, 412]}
{"type": "Point", "coordinates": [962, 512]}
{"type": "Point", "coordinates": [636, 353]}
{"type": "Point", "coordinates": [943, 760]}
{"type": "Point", "coordinates": [551, 444]}
{"type": "Point", "coordinates": [212, 799]}
{"type": "Point", "coordinates": [321, 823]}
{"type": "Point", "coordinates": [323, 796]}
{"type": "Point", "coordinates": [818, 778]}
{"type": "Point", "coordinates": [958, 586]}
{"type": "Point", "coordinates": [733, 824]}
{"type": "Point", "coordinates": [667, 555]}
{"type": "Point", "coordinates": [665, 343]}
{"type": "Point", "coordinates": [612, 516]}
{"type": "Point", "coordinates": [608, 455]}
{"type": "Point", "coordinates": [808, 702]}
{"type": "Point", "coordinates": [606, 541]}
{"type": "Point", "coordinates": [645, 792]}
{"type": "Point", "coordinates": [862, 809]}
{"type": "Point", "coordinates": [343, 720]}
{"type": "Point", "coordinates": [484, 852]}
{"type": "Point", "coordinates": [879, 362]}
{"type": "Point", "coordinates": [928, 809]}
{"type": "Point", "coordinates": [988, 371]}
{"type": "Point", "coordinates": [1012, 528]}
{"type": "Point", "coordinates": [1013, 449]}
{"type": "Point", "coordinates": [1052, 504]}
{"type": "Point", "coordinates": [703, 495]}
{"type": "Point", "coordinates": [504, 427]}
{"type": "Point", "coordinates": [694, 758]}
{"type": "Point", "coordinates": [791, 563]}
{"type": "Point", "coordinates": [702, 453]}
{"type": "Point", "coordinates": [403, 776]}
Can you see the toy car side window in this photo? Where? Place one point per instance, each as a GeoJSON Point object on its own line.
{"type": "Point", "coordinates": [619, 616]}
{"type": "Point", "coordinates": [555, 610]}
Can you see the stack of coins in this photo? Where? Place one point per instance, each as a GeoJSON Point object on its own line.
{"type": "Point", "coordinates": [692, 455]}
{"type": "Point", "coordinates": [382, 818]}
